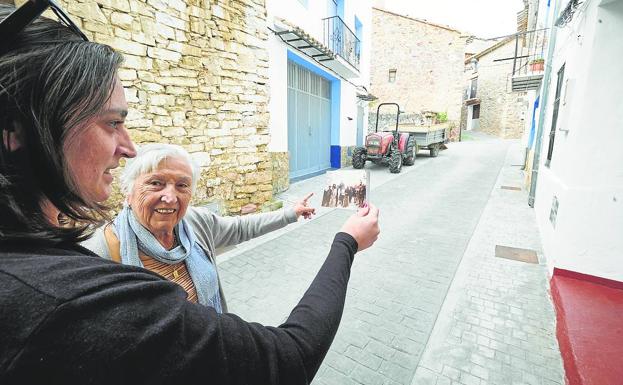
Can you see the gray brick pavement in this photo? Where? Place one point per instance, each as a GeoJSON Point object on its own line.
{"type": "Point", "coordinates": [397, 287]}
{"type": "Point", "coordinates": [497, 325]}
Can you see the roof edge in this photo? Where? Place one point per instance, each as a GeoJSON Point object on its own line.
{"type": "Point", "coordinates": [423, 21]}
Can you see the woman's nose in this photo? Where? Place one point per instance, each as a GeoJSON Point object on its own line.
{"type": "Point", "coordinates": [126, 147]}
{"type": "Point", "coordinates": [168, 195]}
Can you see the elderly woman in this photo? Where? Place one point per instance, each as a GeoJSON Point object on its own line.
{"type": "Point", "coordinates": [158, 230]}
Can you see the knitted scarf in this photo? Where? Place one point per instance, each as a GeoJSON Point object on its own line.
{"type": "Point", "coordinates": [133, 236]}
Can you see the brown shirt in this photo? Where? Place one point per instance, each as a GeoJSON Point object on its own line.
{"type": "Point", "coordinates": [177, 273]}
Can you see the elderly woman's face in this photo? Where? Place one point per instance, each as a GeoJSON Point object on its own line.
{"type": "Point", "coordinates": [159, 199]}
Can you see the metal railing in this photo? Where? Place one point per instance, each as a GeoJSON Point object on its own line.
{"type": "Point", "coordinates": [530, 50]}
{"type": "Point", "coordinates": [341, 40]}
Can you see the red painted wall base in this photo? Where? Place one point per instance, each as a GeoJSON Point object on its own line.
{"type": "Point", "coordinates": [589, 313]}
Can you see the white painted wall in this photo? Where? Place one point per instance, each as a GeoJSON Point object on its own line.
{"type": "Point", "coordinates": [310, 20]}
{"type": "Point", "coordinates": [278, 88]}
{"type": "Point", "coordinates": [586, 172]}
{"type": "Point", "coordinates": [307, 18]}
{"type": "Point", "coordinates": [348, 115]}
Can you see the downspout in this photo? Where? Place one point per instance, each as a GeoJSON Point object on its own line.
{"type": "Point", "coordinates": [543, 103]}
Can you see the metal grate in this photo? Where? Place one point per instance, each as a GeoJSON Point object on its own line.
{"type": "Point", "coordinates": [516, 254]}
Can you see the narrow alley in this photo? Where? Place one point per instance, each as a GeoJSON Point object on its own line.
{"type": "Point", "coordinates": [429, 303]}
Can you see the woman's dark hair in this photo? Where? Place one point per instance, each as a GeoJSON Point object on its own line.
{"type": "Point", "coordinates": [51, 83]}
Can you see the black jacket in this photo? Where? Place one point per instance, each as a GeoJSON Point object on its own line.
{"type": "Point", "coordinates": [70, 317]}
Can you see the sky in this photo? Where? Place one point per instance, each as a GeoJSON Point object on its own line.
{"type": "Point", "coordinates": [483, 18]}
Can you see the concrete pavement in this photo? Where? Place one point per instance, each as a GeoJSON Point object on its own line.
{"type": "Point", "coordinates": [411, 317]}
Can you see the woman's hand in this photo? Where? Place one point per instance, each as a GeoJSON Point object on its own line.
{"type": "Point", "coordinates": [301, 208]}
{"type": "Point", "coordinates": [363, 226]}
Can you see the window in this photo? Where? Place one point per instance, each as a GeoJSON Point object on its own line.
{"type": "Point", "coordinates": [476, 111]}
{"type": "Point", "coordinates": [552, 132]}
{"type": "Point", "coordinates": [303, 3]}
{"type": "Point", "coordinates": [473, 88]}
{"type": "Point", "coordinates": [392, 76]}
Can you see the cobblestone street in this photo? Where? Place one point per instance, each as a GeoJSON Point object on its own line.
{"type": "Point", "coordinates": [429, 302]}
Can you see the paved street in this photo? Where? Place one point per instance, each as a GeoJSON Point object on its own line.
{"type": "Point", "coordinates": [429, 302]}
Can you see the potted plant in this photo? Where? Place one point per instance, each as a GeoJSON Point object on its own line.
{"type": "Point", "coordinates": [537, 64]}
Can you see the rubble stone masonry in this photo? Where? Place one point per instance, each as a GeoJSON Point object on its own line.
{"type": "Point", "coordinates": [502, 111]}
{"type": "Point", "coordinates": [428, 59]}
{"type": "Point", "coordinates": [195, 74]}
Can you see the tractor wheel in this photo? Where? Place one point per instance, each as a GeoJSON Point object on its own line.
{"type": "Point", "coordinates": [434, 150]}
{"type": "Point", "coordinates": [395, 162]}
{"type": "Point", "coordinates": [359, 157]}
{"type": "Point", "coordinates": [411, 152]}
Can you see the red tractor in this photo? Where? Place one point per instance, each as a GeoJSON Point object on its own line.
{"type": "Point", "coordinates": [387, 147]}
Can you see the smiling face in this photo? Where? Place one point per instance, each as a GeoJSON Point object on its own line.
{"type": "Point", "coordinates": [97, 148]}
{"type": "Point", "coordinates": [159, 199]}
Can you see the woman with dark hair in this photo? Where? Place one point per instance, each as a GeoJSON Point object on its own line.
{"type": "Point", "coordinates": [70, 317]}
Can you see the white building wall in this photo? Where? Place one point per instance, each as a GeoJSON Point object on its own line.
{"type": "Point", "coordinates": [310, 20]}
{"type": "Point", "coordinates": [348, 115]}
{"type": "Point", "coordinates": [278, 88]}
{"type": "Point", "coordinates": [307, 18]}
{"type": "Point", "coordinates": [586, 171]}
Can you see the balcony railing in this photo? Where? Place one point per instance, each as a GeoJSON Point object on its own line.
{"type": "Point", "coordinates": [530, 50]}
{"type": "Point", "coordinates": [341, 40]}
{"type": "Point", "coordinates": [529, 59]}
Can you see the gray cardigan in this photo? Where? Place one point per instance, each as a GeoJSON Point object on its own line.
{"type": "Point", "coordinates": [213, 231]}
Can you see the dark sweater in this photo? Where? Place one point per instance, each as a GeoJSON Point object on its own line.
{"type": "Point", "coordinates": [70, 317]}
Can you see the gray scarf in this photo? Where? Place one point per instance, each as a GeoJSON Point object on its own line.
{"type": "Point", "coordinates": [133, 236]}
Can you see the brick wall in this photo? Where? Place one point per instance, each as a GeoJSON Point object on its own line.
{"type": "Point", "coordinates": [195, 75]}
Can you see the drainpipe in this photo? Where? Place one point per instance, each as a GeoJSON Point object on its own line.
{"type": "Point", "coordinates": [543, 102]}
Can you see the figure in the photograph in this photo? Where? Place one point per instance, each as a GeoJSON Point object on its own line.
{"type": "Point", "coordinates": [159, 230]}
{"type": "Point", "coordinates": [346, 199]}
{"type": "Point", "coordinates": [326, 196]}
{"type": "Point", "coordinates": [361, 194]}
{"type": "Point", "coordinates": [334, 194]}
{"type": "Point", "coordinates": [340, 194]}
{"type": "Point", "coordinates": [69, 316]}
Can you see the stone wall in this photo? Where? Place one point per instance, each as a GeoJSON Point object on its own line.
{"type": "Point", "coordinates": [428, 59]}
{"type": "Point", "coordinates": [195, 74]}
{"type": "Point", "coordinates": [387, 122]}
{"type": "Point", "coordinates": [502, 111]}
{"type": "Point", "coordinates": [346, 156]}
{"type": "Point", "coordinates": [281, 167]}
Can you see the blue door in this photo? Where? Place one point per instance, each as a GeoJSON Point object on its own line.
{"type": "Point", "coordinates": [309, 121]}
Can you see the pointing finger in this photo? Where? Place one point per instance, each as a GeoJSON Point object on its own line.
{"type": "Point", "coordinates": [308, 196]}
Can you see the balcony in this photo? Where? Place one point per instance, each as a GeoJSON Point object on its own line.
{"type": "Point", "coordinates": [343, 42]}
{"type": "Point", "coordinates": [339, 51]}
{"type": "Point", "coordinates": [528, 62]}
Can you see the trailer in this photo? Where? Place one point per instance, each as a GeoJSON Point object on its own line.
{"type": "Point", "coordinates": [433, 137]}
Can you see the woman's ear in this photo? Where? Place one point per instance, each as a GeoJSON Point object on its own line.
{"type": "Point", "coordinates": [11, 136]}
{"type": "Point", "coordinates": [10, 140]}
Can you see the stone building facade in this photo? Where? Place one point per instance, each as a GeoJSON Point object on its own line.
{"type": "Point", "coordinates": [417, 64]}
{"type": "Point", "coordinates": [502, 111]}
{"type": "Point", "coordinates": [195, 74]}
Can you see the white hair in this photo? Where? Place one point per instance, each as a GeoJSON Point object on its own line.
{"type": "Point", "coordinates": [149, 157]}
